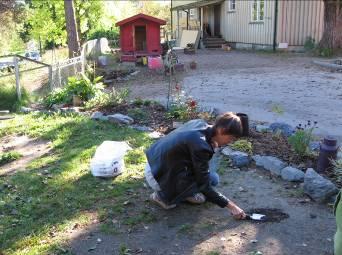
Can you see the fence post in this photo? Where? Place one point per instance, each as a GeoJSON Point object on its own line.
{"type": "Point", "coordinates": [17, 78]}
{"type": "Point", "coordinates": [50, 78]}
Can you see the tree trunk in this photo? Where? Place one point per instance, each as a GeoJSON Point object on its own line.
{"type": "Point", "coordinates": [332, 35]}
{"type": "Point", "coordinates": [72, 39]}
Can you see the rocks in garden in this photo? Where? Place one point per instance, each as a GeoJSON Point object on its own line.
{"type": "Point", "coordinates": [227, 151]}
{"type": "Point", "coordinates": [339, 154]}
{"type": "Point", "coordinates": [258, 160]}
{"type": "Point", "coordinates": [155, 135]}
{"type": "Point", "coordinates": [71, 109]}
{"type": "Point", "coordinates": [57, 107]}
{"type": "Point", "coordinates": [284, 128]}
{"type": "Point", "coordinates": [239, 158]}
{"type": "Point", "coordinates": [214, 162]}
{"type": "Point", "coordinates": [142, 128]}
{"type": "Point", "coordinates": [26, 109]}
{"type": "Point", "coordinates": [120, 118]}
{"type": "Point", "coordinates": [292, 174]}
{"type": "Point", "coordinates": [317, 187]}
{"type": "Point", "coordinates": [262, 128]}
{"type": "Point", "coordinates": [98, 116]}
{"type": "Point", "coordinates": [314, 146]}
{"type": "Point", "coordinates": [134, 73]}
{"type": "Point", "coordinates": [272, 164]}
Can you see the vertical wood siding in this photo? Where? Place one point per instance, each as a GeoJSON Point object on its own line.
{"type": "Point", "coordinates": [299, 20]}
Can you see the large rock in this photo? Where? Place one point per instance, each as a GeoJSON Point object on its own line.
{"type": "Point", "coordinates": [98, 116]}
{"type": "Point", "coordinates": [26, 109]}
{"type": "Point", "coordinates": [239, 158]}
{"type": "Point", "coordinates": [273, 164]}
{"type": "Point", "coordinates": [314, 146]}
{"type": "Point", "coordinates": [120, 118]}
{"type": "Point", "coordinates": [258, 160]}
{"type": "Point", "coordinates": [317, 187]}
{"type": "Point", "coordinates": [214, 163]}
{"type": "Point", "coordinates": [292, 174]}
{"type": "Point", "coordinates": [227, 151]}
{"type": "Point", "coordinates": [262, 128]}
{"type": "Point", "coordinates": [284, 128]}
{"type": "Point", "coordinates": [142, 128]}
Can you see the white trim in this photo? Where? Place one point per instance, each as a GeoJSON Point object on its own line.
{"type": "Point", "coordinates": [258, 11]}
{"type": "Point", "coordinates": [230, 4]}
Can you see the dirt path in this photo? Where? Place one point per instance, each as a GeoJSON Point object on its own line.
{"type": "Point", "coordinates": [207, 229]}
{"type": "Point", "coordinates": [267, 87]}
{"type": "Point", "coordinates": [29, 148]}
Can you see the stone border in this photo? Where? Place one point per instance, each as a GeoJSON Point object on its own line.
{"type": "Point", "coordinates": [316, 186]}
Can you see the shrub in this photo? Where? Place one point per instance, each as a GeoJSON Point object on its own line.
{"type": "Point", "coordinates": [184, 110]}
{"type": "Point", "coordinates": [103, 99]}
{"type": "Point", "coordinates": [82, 87]}
{"type": "Point", "coordinates": [325, 52]}
{"type": "Point", "coordinates": [9, 157]}
{"type": "Point", "coordinates": [309, 43]}
{"type": "Point", "coordinates": [111, 35]}
{"type": "Point", "coordinates": [243, 145]}
{"type": "Point", "coordinates": [301, 139]}
{"type": "Point", "coordinates": [137, 114]}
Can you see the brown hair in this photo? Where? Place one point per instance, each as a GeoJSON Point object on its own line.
{"type": "Point", "coordinates": [230, 124]}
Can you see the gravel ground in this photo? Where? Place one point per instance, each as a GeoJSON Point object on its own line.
{"type": "Point", "coordinates": [268, 87]}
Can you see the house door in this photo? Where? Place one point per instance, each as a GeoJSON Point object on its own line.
{"type": "Point", "coordinates": [217, 20]}
{"type": "Point", "coordinates": [140, 38]}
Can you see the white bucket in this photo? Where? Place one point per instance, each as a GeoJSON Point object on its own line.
{"type": "Point", "coordinates": [108, 160]}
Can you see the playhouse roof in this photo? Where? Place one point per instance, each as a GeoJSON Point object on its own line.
{"type": "Point", "coordinates": [140, 16]}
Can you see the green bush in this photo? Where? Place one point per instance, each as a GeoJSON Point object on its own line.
{"type": "Point", "coordinates": [301, 139]}
{"type": "Point", "coordinates": [111, 35]}
{"type": "Point", "coordinates": [242, 145]}
{"type": "Point", "coordinates": [309, 43]}
{"type": "Point", "coordinates": [103, 99]}
{"type": "Point", "coordinates": [8, 157]}
{"type": "Point", "coordinates": [137, 114]}
{"type": "Point", "coordinates": [326, 52]}
{"type": "Point", "coordinates": [82, 87]}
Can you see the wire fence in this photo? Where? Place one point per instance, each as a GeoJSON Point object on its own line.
{"type": "Point", "coordinates": [34, 77]}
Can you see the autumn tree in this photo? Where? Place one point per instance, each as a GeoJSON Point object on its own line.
{"type": "Point", "coordinates": [332, 35]}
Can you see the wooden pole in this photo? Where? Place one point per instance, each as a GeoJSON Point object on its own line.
{"type": "Point", "coordinates": [50, 78]}
{"type": "Point", "coordinates": [17, 78]}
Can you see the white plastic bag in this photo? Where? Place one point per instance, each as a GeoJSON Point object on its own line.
{"type": "Point", "coordinates": [108, 159]}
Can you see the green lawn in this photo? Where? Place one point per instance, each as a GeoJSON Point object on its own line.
{"type": "Point", "coordinates": [38, 206]}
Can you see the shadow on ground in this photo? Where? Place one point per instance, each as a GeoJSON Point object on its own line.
{"type": "Point", "coordinates": [208, 229]}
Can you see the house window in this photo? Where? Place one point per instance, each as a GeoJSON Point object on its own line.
{"type": "Point", "coordinates": [232, 5]}
{"type": "Point", "coordinates": [258, 10]}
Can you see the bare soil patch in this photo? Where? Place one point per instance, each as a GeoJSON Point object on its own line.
{"type": "Point", "coordinates": [30, 149]}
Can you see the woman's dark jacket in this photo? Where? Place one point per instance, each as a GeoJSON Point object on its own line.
{"type": "Point", "coordinates": [179, 163]}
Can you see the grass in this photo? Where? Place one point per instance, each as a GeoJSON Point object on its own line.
{"type": "Point", "coordinates": [278, 109]}
{"type": "Point", "coordinates": [10, 156]}
{"type": "Point", "coordinates": [34, 204]}
{"type": "Point", "coordinates": [8, 95]}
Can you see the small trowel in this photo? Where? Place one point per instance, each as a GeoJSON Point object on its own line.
{"type": "Point", "coordinates": [256, 217]}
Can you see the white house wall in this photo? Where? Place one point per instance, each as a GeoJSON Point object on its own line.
{"type": "Point", "coordinates": [237, 26]}
{"type": "Point", "coordinates": [299, 20]}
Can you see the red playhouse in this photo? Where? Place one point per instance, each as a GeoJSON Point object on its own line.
{"type": "Point", "coordinates": [140, 36]}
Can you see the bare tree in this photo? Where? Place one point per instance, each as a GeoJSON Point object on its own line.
{"type": "Point", "coordinates": [332, 35]}
{"type": "Point", "coordinates": [72, 38]}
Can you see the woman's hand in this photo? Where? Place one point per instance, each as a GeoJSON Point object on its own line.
{"type": "Point", "coordinates": [236, 211]}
